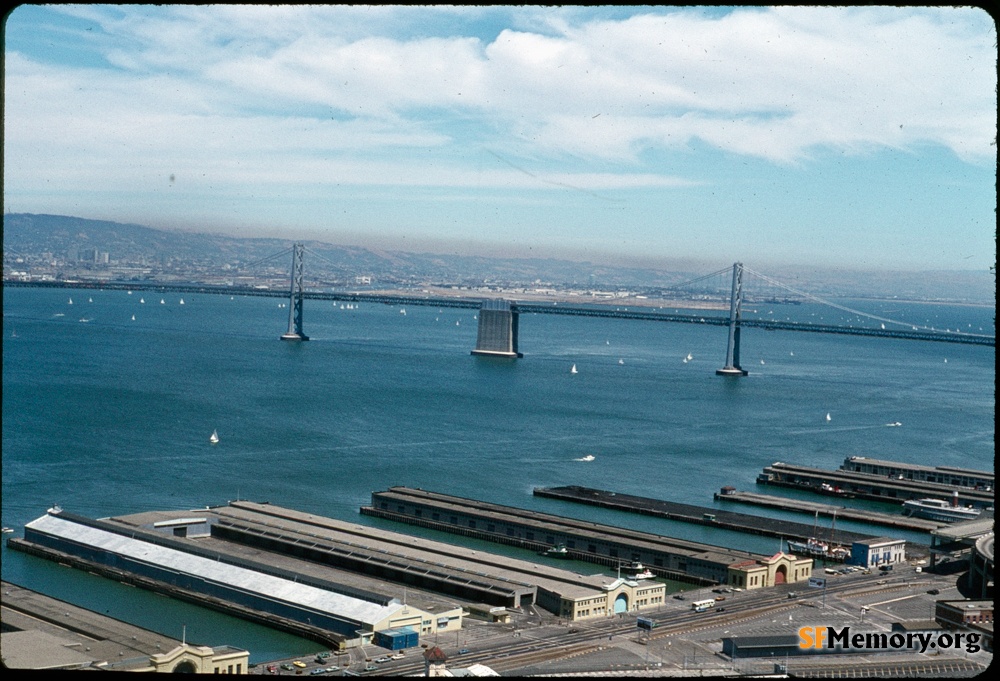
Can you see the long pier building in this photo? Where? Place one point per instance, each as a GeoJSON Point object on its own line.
{"type": "Point", "coordinates": [945, 475]}
{"type": "Point", "coordinates": [335, 582]}
{"type": "Point", "coordinates": [699, 515]}
{"type": "Point", "coordinates": [592, 542]}
{"type": "Point", "coordinates": [847, 484]}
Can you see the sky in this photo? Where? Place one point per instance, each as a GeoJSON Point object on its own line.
{"type": "Point", "coordinates": [850, 137]}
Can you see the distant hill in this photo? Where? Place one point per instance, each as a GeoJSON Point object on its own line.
{"type": "Point", "coordinates": [26, 234]}
{"type": "Point", "coordinates": [65, 236]}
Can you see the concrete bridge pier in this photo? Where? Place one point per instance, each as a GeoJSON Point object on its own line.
{"type": "Point", "coordinates": [733, 367]}
{"type": "Point", "coordinates": [295, 332]}
{"type": "Point", "coordinates": [497, 335]}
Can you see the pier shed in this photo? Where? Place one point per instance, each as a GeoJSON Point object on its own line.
{"type": "Point", "coordinates": [230, 584]}
{"type": "Point", "coordinates": [592, 542]}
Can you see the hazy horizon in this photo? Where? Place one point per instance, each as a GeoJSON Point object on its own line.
{"type": "Point", "coordinates": [851, 137]}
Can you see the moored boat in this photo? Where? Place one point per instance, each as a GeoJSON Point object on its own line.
{"type": "Point", "coordinates": [558, 551]}
{"type": "Point", "coordinates": [939, 510]}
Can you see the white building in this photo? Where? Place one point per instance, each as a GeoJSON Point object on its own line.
{"type": "Point", "coordinates": [878, 551]}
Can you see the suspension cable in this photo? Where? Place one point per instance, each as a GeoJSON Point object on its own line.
{"type": "Point", "coordinates": [843, 308]}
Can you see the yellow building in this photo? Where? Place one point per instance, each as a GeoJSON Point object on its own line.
{"type": "Point", "coordinates": [188, 659]}
{"type": "Point", "coordinates": [621, 595]}
{"type": "Point", "coordinates": [781, 568]}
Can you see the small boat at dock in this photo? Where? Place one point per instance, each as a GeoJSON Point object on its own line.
{"type": "Point", "coordinates": [558, 551]}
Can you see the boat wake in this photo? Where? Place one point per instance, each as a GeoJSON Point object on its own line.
{"type": "Point", "coordinates": [589, 457]}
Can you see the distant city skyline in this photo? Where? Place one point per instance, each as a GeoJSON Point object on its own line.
{"type": "Point", "coordinates": [861, 137]}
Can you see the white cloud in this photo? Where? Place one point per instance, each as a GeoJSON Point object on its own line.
{"type": "Point", "coordinates": [256, 99]}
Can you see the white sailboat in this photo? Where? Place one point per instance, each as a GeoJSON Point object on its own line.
{"type": "Point", "coordinates": [572, 369]}
{"type": "Point", "coordinates": [214, 437]}
{"type": "Point", "coordinates": [133, 318]}
{"type": "Point", "coordinates": [182, 301]}
{"type": "Point", "coordinates": [827, 416]}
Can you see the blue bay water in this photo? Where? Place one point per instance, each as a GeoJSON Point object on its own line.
{"type": "Point", "coordinates": [112, 416]}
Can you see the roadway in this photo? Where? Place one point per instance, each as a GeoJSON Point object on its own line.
{"type": "Point", "coordinates": [596, 310]}
{"type": "Point", "coordinates": [684, 642]}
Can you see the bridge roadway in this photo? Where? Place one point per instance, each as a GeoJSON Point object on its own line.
{"type": "Point", "coordinates": [596, 310]}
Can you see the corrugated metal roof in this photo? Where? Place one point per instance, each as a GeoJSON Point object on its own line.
{"type": "Point", "coordinates": [270, 587]}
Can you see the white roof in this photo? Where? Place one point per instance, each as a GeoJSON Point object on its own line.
{"type": "Point", "coordinates": [267, 586]}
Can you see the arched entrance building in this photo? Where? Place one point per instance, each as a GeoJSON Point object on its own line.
{"type": "Point", "coordinates": [189, 659]}
{"type": "Point", "coordinates": [781, 568]}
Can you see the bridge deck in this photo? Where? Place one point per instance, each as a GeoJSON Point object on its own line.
{"type": "Point", "coordinates": [595, 310]}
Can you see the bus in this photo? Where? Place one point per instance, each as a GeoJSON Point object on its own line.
{"type": "Point", "coordinates": [702, 606]}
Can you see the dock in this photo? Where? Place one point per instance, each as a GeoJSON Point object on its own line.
{"type": "Point", "coordinates": [857, 485]}
{"type": "Point", "coordinates": [607, 545]}
{"type": "Point", "coordinates": [702, 515]}
{"type": "Point", "coordinates": [830, 511]}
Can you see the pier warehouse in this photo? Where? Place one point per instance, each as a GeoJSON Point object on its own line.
{"type": "Point", "coordinates": [266, 592]}
{"type": "Point", "coordinates": [366, 567]}
{"type": "Point", "coordinates": [587, 541]}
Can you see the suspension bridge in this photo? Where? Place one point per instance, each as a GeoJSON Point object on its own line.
{"type": "Point", "coordinates": [499, 328]}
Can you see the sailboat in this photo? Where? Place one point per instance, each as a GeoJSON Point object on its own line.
{"type": "Point", "coordinates": [573, 369]}
{"type": "Point", "coordinates": [70, 302]}
{"type": "Point", "coordinates": [182, 301]}
{"type": "Point", "coordinates": [214, 437]}
{"type": "Point", "coordinates": [133, 318]}
{"type": "Point", "coordinates": [828, 416]}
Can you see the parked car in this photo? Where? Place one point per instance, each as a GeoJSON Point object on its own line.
{"type": "Point", "coordinates": [463, 651]}
{"type": "Point", "coordinates": [287, 667]}
{"type": "Point", "coordinates": [370, 668]}
{"type": "Point", "coordinates": [380, 660]}
{"type": "Point", "coordinates": [299, 663]}
{"type": "Point", "coordinates": [934, 592]}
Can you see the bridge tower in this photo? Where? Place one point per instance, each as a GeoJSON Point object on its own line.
{"type": "Point", "coordinates": [497, 335]}
{"type": "Point", "coordinates": [733, 367]}
{"type": "Point", "coordinates": [295, 298]}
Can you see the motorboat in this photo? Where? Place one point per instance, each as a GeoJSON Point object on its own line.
{"type": "Point", "coordinates": [558, 551]}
